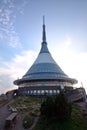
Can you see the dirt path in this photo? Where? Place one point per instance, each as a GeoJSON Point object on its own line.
{"type": "Point", "coordinates": [19, 126]}
{"type": "Point", "coordinates": [4, 112]}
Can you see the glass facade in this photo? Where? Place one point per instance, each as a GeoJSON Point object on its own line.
{"type": "Point", "coordinates": [45, 83]}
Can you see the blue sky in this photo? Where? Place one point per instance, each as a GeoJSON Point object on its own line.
{"type": "Point", "coordinates": [21, 37]}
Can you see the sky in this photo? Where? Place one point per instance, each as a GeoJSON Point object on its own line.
{"type": "Point", "coordinates": [21, 36]}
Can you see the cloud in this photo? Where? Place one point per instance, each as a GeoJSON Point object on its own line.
{"type": "Point", "coordinates": [14, 40]}
{"type": "Point", "coordinates": [5, 83]}
{"type": "Point", "coordinates": [9, 10]}
{"type": "Point", "coordinates": [15, 69]}
{"type": "Point", "coordinates": [1, 36]}
{"type": "Point", "coordinates": [68, 41]}
{"type": "Point", "coordinates": [72, 63]}
{"type": "Point", "coordinates": [21, 8]}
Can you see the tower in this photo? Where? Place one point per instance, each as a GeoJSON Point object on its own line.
{"type": "Point", "coordinates": [44, 77]}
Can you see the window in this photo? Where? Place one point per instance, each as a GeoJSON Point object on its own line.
{"type": "Point", "coordinates": [54, 91]}
{"type": "Point", "coordinates": [46, 91]}
{"type": "Point", "coordinates": [42, 91]}
{"type": "Point", "coordinates": [34, 92]}
{"type": "Point", "coordinates": [50, 91]}
{"type": "Point", "coordinates": [38, 91]}
{"type": "Point", "coordinates": [58, 91]}
{"type": "Point", "coordinates": [31, 92]}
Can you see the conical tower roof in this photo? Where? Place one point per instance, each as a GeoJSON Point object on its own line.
{"type": "Point", "coordinates": [44, 67]}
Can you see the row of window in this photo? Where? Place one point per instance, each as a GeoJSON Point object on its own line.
{"type": "Point", "coordinates": [42, 92]}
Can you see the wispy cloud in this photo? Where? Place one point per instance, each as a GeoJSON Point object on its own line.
{"type": "Point", "coordinates": [15, 69]}
{"type": "Point", "coordinates": [9, 10]}
{"type": "Point", "coordinates": [21, 8]}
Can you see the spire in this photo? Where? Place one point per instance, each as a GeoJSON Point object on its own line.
{"type": "Point", "coordinates": [44, 33]}
{"type": "Point", "coordinates": [44, 48]}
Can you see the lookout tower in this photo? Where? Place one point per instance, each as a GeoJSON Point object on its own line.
{"type": "Point", "coordinates": [44, 77]}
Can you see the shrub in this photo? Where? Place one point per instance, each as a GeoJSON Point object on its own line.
{"type": "Point", "coordinates": [63, 108]}
{"type": "Point", "coordinates": [47, 107]}
{"type": "Point", "coordinates": [27, 122]}
{"type": "Point", "coordinates": [57, 107]}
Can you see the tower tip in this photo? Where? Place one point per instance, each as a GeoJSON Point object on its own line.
{"type": "Point", "coordinates": [43, 20]}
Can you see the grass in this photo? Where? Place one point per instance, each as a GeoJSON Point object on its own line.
{"type": "Point", "coordinates": [30, 111]}
{"type": "Point", "coordinates": [33, 107]}
{"type": "Point", "coordinates": [31, 104]}
{"type": "Point", "coordinates": [75, 123]}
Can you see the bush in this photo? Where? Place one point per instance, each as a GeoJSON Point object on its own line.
{"type": "Point", "coordinates": [47, 107]}
{"type": "Point", "coordinates": [62, 108]}
{"type": "Point", "coordinates": [57, 107]}
{"type": "Point", "coordinates": [27, 122]}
